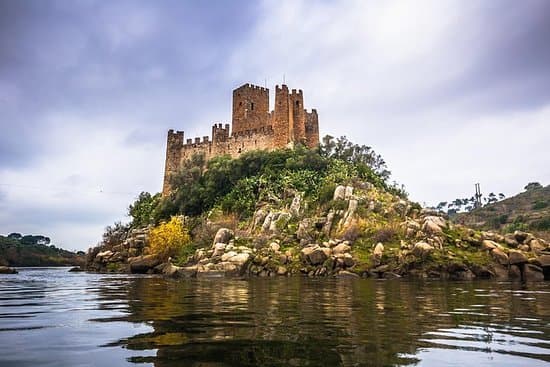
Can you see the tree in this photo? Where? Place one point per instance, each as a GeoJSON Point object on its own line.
{"type": "Point", "coordinates": [533, 186]}
{"type": "Point", "coordinates": [142, 209]}
{"type": "Point", "coordinates": [346, 151]}
{"type": "Point", "coordinates": [15, 236]}
{"type": "Point", "coordinates": [115, 234]}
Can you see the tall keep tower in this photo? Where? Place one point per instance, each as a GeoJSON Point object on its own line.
{"type": "Point", "coordinates": [250, 108]}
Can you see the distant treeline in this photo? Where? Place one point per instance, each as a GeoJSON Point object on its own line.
{"type": "Point", "coordinates": [34, 250]}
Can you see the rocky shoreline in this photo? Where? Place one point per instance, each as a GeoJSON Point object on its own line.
{"type": "Point", "coordinates": [287, 242]}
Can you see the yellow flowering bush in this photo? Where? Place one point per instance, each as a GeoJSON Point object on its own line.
{"type": "Point", "coordinates": [168, 239]}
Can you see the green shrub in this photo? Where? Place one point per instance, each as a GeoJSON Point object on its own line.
{"type": "Point", "coordinates": [540, 204]}
{"type": "Point", "coordinates": [541, 225]}
{"type": "Point", "coordinates": [517, 225]}
{"type": "Point", "coordinates": [496, 222]}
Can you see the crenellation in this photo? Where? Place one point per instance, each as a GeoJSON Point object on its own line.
{"type": "Point", "coordinates": [254, 127]}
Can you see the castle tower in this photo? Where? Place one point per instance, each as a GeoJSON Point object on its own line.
{"type": "Point", "coordinates": [298, 116]}
{"type": "Point", "coordinates": [283, 124]}
{"type": "Point", "coordinates": [312, 129]}
{"type": "Point", "coordinates": [250, 108]}
{"type": "Point", "coordinates": [174, 143]}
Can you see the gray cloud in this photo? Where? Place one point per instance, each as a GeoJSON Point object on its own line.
{"type": "Point", "coordinates": [450, 93]}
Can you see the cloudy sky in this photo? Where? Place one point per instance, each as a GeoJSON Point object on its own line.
{"type": "Point", "coordinates": [449, 92]}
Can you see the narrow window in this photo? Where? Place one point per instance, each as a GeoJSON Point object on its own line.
{"type": "Point", "coordinates": [252, 106]}
{"type": "Point", "coordinates": [297, 103]}
{"type": "Point", "coordinates": [240, 103]}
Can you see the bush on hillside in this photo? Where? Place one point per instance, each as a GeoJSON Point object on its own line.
{"type": "Point", "coordinates": [169, 239]}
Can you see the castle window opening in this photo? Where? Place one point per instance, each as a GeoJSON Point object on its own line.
{"type": "Point", "coordinates": [252, 106]}
{"type": "Point", "coordinates": [297, 103]}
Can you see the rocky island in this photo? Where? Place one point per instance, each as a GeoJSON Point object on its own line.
{"type": "Point", "coordinates": [269, 199]}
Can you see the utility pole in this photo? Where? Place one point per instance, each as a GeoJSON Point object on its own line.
{"type": "Point", "coordinates": [478, 196]}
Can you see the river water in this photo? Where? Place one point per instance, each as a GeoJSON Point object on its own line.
{"type": "Point", "coordinates": [49, 317]}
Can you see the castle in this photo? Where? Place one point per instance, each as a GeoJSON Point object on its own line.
{"type": "Point", "coordinates": [254, 127]}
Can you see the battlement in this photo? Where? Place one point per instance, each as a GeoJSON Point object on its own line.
{"type": "Point", "coordinates": [253, 127]}
{"type": "Point", "coordinates": [196, 141]}
{"type": "Point", "coordinates": [251, 87]}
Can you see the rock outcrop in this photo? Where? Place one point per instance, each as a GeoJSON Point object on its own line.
{"type": "Point", "coordinates": [361, 232]}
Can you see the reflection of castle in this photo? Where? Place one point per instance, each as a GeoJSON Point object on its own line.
{"type": "Point", "coordinates": [254, 127]}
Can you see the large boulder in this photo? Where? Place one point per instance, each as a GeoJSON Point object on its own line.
{"type": "Point", "coordinates": [377, 253]}
{"type": "Point", "coordinates": [188, 271]}
{"type": "Point", "coordinates": [104, 256]}
{"type": "Point", "coordinates": [499, 256]}
{"type": "Point", "coordinates": [348, 195]}
{"type": "Point", "coordinates": [228, 255]}
{"type": "Point", "coordinates": [489, 245]}
{"type": "Point", "coordinates": [341, 248]}
{"type": "Point", "coordinates": [240, 259]}
{"type": "Point", "coordinates": [544, 260]}
{"type": "Point", "coordinates": [346, 274]}
{"type": "Point", "coordinates": [537, 246]}
{"type": "Point", "coordinates": [304, 230]}
{"type": "Point", "coordinates": [296, 205]}
{"type": "Point", "coordinates": [521, 236]}
{"type": "Point", "coordinates": [143, 264]}
{"type": "Point", "coordinates": [219, 249]}
{"type": "Point", "coordinates": [532, 273]}
{"type": "Point", "coordinates": [7, 270]}
{"type": "Point", "coordinates": [223, 236]}
{"type": "Point", "coordinates": [259, 218]}
{"type": "Point", "coordinates": [348, 260]}
{"type": "Point", "coordinates": [433, 225]}
{"type": "Point", "coordinates": [279, 222]}
{"type": "Point", "coordinates": [267, 222]}
{"type": "Point", "coordinates": [170, 270]}
{"type": "Point", "coordinates": [516, 257]}
{"type": "Point", "coordinates": [510, 240]}
{"type": "Point", "coordinates": [327, 227]}
{"type": "Point", "coordinates": [422, 249]}
{"type": "Point", "coordinates": [315, 255]}
{"type": "Point", "coordinates": [347, 220]}
{"type": "Point", "coordinates": [339, 193]}
{"type": "Point", "coordinates": [514, 272]}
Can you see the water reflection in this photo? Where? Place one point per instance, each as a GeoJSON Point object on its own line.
{"type": "Point", "coordinates": [304, 322]}
{"type": "Point", "coordinates": [52, 318]}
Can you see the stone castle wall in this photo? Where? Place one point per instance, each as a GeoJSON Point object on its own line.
{"type": "Point", "coordinates": [254, 128]}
